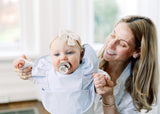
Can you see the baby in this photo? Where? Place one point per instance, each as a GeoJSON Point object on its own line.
{"type": "Point", "coordinates": [65, 75]}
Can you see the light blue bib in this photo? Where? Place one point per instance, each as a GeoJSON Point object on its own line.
{"type": "Point", "coordinates": [67, 94]}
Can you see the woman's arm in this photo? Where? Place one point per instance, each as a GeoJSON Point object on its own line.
{"type": "Point", "coordinates": [109, 106]}
{"type": "Point", "coordinates": [104, 87]}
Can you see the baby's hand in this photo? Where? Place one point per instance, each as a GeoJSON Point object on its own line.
{"type": "Point", "coordinates": [22, 68]}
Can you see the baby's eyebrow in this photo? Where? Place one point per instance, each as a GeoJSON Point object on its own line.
{"type": "Point", "coordinates": [52, 51]}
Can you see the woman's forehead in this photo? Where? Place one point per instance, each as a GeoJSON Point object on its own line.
{"type": "Point", "coordinates": [123, 31]}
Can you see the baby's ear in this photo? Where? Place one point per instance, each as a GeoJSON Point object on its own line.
{"type": "Point", "coordinates": [82, 52]}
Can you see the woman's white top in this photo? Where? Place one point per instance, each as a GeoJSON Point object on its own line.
{"type": "Point", "coordinates": [67, 94]}
{"type": "Point", "coordinates": [123, 100]}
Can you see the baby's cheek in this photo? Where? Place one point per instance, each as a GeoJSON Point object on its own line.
{"type": "Point", "coordinates": [75, 64]}
{"type": "Point", "coordinates": [55, 65]}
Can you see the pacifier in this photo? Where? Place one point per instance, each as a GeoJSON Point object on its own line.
{"type": "Point", "coordinates": [64, 67]}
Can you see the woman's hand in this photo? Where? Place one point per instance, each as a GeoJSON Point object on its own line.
{"type": "Point", "coordinates": [24, 73]}
{"type": "Point", "coordinates": [104, 87]}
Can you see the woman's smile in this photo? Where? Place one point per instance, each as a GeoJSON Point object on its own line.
{"type": "Point", "coordinates": [110, 52]}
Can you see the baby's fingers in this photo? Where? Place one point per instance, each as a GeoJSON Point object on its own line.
{"type": "Point", "coordinates": [24, 57]}
{"type": "Point", "coordinates": [99, 79]}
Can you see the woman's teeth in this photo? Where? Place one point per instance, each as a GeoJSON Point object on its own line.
{"type": "Point", "coordinates": [110, 52]}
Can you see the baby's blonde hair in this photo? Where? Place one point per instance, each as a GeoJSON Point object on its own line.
{"type": "Point", "coordinates": [66, 35]}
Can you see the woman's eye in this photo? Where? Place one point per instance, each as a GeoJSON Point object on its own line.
{"type": "Point", "coordinates": [69, 53]}
{"type": "Point", "coordinates": [56, 54]}
{"type": "Point", "coordinates": [122, 44]}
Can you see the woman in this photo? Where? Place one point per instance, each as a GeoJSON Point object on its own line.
{"type": "Point", "coordinates": [129, 56]}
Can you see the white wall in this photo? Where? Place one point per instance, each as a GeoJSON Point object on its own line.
{"type": "Point", "coordinates": [12, 88]}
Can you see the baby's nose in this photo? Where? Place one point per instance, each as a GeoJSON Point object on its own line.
{"type": "Point", "coordinates": [63, 57]}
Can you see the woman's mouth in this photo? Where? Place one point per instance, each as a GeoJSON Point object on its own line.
{"type": "Point", "coordinates": [109, 52]}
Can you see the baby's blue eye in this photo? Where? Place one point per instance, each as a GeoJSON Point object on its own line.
{"type": "Point", "coordinates": [56, 54]}
{"type": "Point", "coordinates": [69, 53]}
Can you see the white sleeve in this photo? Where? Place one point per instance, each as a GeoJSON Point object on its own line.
{"type": "Point", "coordinates": [90, 63]}
{"type": "Point", "coordinates": [41, 66]}
{"type": "Point", "coordinates": [126, 105]}
{"type": "Point", "coordinates": [105, 73]}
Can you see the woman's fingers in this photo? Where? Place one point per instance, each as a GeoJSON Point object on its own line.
{"type": "Point", "coordinates": [25, 70]}
{"type": "Point", "coordinates": [102, 90]}
{"type": "Point", "coordinates": [24, 56]}
{"type": "Point", "coordinates": [18, 63]}
{"type": "Point", "coordinates": [24, 76]}
{"type": "Point", "coordinates": [109, 82]}
{"type": "Point", "coordinates": [99, 85]}
{"type": "Point", "coordinates": [24, 73]}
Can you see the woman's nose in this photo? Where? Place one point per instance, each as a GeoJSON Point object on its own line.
{"type": "Point", "coordinates": [112, 44]}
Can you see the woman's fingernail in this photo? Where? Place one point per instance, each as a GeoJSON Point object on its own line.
{"type": "Point", "coordinates": [106, 78]}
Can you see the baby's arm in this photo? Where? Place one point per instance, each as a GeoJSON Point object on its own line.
{"type": "Point", "coordinates": [23, 67]}
{"type": "Point", "coordinates": [90, 60]}
{"type": "Point", "coordinates": [100, 80]}
{"type": "Point", "coordinates": [103, 83]}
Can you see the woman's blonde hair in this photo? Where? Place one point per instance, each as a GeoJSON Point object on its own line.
{"type": "Point", "coordinates": [143, 82]}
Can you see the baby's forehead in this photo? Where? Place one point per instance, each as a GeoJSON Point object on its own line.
{"type": "Point", "coordinates": [61, 43]}
{"type": "Point", "coordinates": [62, 46]}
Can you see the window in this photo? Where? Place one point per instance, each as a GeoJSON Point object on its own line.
{"type": "Point", "coordinates": [17, 28]}
{"type": "Point", "coordinates": [9, 24]}
{"type": "Point", "coordinates": [105, 16]}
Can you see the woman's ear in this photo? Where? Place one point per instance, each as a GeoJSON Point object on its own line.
{"type": "Point", "coordinates": [136, 54]}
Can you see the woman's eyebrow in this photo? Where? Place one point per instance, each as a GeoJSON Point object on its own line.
{"type": "Point", "coordinates": [124, 41]}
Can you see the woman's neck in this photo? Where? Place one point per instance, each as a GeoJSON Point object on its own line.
{"type": "Point", "coordinates": [114, 69]}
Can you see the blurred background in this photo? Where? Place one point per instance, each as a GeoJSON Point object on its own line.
{"type": "Point", "coordinates": [27, 26]}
